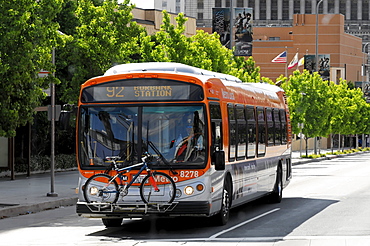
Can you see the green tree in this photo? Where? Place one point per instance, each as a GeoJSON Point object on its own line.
{"type": "Point", "coordinates": [27, 35]}
{"type": "Point", "coordinates": [308, 100]}
{"type": "Point", "coordinates": [202, 50]}
{"type": "Point", "coordinates": [103, 34]}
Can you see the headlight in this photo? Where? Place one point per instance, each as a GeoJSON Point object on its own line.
{"type": "Point", "coordinates": [189, 190]}
{"type": "Point", "coordinates": [93, 191]}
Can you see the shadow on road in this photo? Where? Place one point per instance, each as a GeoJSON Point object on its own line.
{"type": "Point", "coordinates": [291, 214]}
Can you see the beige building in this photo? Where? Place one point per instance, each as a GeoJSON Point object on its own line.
{"type": "Point", "coordinates": [151, 19]}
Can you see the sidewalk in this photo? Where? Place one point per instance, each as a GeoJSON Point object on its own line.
{"type": "Point", "coordinates": [26, 195]}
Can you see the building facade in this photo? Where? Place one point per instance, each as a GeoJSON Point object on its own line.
{"type": "Point", "coordinates": [280, 12]}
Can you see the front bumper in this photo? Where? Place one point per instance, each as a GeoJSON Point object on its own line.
{"type": "Point", "coordinates": [138, 210]}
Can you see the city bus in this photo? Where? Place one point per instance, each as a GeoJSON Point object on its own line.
{"type": "Point", "coordinates": [224, 142]}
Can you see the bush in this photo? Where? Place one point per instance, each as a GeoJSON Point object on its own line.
{"type": "Point", "coordinates": [62, 161]}
{"type": "Point", "coordinates": [313, 156]}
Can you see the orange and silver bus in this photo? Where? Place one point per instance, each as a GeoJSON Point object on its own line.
{"type": "Point", "coordinates": [228, 142]}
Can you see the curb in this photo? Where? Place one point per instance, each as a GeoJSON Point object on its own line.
{"type": "Point", "coordinates": [34, 208]}
{"type": "Point", "coordinates": [329, 157]}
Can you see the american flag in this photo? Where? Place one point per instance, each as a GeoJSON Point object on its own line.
{"type": "Point", "coordinates": [281, 58]}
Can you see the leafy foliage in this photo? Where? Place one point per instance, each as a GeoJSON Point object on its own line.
{"type": "Point", "coordinates": [27, 37]}
{"type": "Point", "coordinates": [202, 50]}
{"type": "Point", "coordinates": [100, 36]}
{"type": "Point", "coordinates": [325, 107]}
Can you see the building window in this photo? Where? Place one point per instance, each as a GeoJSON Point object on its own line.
{"type": "Point", "coordinates": [365, 10]}
{"type": "Point", "coordinates": [218, 3]}
{"type": "Point", "coordinates": [200, 16]}
{"type": "Point", "coordinates": [354, 11]}
{"type": "Point", "coordinates": [274, 10]}
{"type": "Point", "coordinates": [342, 7]}
{"type": "Point", "coordinates": [308, 7]}
{"type": "Point", "coordinates": [200, 4]}
{"type": "Point", "coordinates": [263, 10]}
{"type": "Point", "coordinates": [285, 14]}
{"type": "Point", "coordinates": [274, 38]}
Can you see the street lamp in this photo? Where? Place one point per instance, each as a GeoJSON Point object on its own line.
{"type": "Point", "coordinates": [317, 55]}
{"type": "Point", "coordinates": [317, 35]}
{"type": "Point", "coordinates": [53, 114]}
{"type": "Point", "coordinates": [364, 73]}
{"type": "Point", "coordinates": [364, 64]}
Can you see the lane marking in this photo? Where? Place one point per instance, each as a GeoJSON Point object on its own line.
{"type": "Point", "coordinates": [243, 223]}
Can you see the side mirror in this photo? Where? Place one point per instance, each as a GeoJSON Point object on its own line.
{"type": "Point", "coordinates": [65, 116]}
{"type": "Point", "coordinates": [218, 159]}
{"type": "Point", "coordinates": [64, 119]}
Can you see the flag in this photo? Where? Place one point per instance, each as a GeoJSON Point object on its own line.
{"type": "Point", "coordinates": [281, 58]}
{"type": "Point", "coordinates": [293, 62]}
{"type": "Point", "coordinates": [301, 62]}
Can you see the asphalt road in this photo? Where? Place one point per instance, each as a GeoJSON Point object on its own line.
{"type": "Point", "coordinates": [327, 203]}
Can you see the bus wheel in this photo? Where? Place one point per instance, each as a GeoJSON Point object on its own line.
{"type": "Point", "coordinates": [223, 216]}
{"type": "Point", "coordinates": [277, 194]}
{"type": "Point", "coordinates": [112, 222]}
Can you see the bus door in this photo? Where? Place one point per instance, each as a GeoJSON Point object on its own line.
{"type": "Point", "coordinates": [216, 127]}
{"type": "Point", "coordinates": [216, 147]}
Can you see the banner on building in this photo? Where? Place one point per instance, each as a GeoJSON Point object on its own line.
{"type": "Point", "coordinates": [221, 24]}
{"type": "Point", "coordinates": [323, 68]}
{"type": "Point", "coordinates": [242, 29]}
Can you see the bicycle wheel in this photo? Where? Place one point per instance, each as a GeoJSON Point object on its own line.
{"type": "Point", "coordinates": [100, 189]}
{"type": "Point", "coordinates": [165, 193]}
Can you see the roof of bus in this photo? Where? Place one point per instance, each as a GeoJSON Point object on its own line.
{"type": "Point", "coordinates": [167, 67]}
{"type": "Point", "coordinates": [172, 67]}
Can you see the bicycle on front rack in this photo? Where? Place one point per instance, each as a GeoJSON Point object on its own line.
{"type": "Point", "coordinates": [155, 187]}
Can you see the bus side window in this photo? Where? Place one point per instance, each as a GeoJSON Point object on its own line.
{"type": "Point", "coordinates": [242, 132]}
{"type": "Point", "coordinates": [283, 126]}
{"type": "Point", "coordinates": [270, 128]}
{"type": "Point", "coordinates": [251, 126]}
{"type": "Point", "coordinates": [277, 126]}
{"type": "Point", "coordinates": [232, 132]}
{"type": "Point", "coordinates": [261, 121]}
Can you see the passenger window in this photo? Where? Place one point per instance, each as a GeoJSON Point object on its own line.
{"type": "Point", "coordinates": [270, 128]}
{"type": "Point", "coordinates": [283, 126]}
{"type": "Point", "coordinates": [277, 126]}
{"type": "Point", "coordinates": [242, 132]}
{"type": "Point", "coordinates": [261, 150]}
{"type": "Point", "coordinates": [251, 130]}
{"type": "Point", "coordinates": [232, 132]}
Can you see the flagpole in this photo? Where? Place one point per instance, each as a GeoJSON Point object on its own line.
{"type": "Point", "coordinates": [286, 63]}
{"type": "Point", "coordinates": [298, 59]}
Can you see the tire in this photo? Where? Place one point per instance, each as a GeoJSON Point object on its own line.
{"type": "Point", "coordinates": [166, 192]}
{"type": "Point", "coordinates": [97, 191]}
{"type": "Point", "coordinates": [277, 194]}
{"type": "Point", "coordinates": [112, 222]}
{"type": "Point", "coordinates": [223, 216]}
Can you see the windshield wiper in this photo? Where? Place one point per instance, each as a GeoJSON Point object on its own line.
{"type": "Point", "coordinates": [151, 144]}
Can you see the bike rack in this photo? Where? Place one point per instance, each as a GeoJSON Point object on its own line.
{"type": "Point", "coordinates": [130, 207]}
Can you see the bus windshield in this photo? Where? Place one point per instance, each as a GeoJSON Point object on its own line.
{"type": "Point", "coordinates": [172, 134]}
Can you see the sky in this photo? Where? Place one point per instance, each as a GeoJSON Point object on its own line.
{"type": "Point", "coordinates": [144, 4]}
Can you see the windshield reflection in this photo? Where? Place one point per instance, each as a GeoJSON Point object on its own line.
{"type": "Point", "coordinates": [173, 134]}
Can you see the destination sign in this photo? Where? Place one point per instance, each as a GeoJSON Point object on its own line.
{"type": "Point", "coordinates": [155, 90]}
